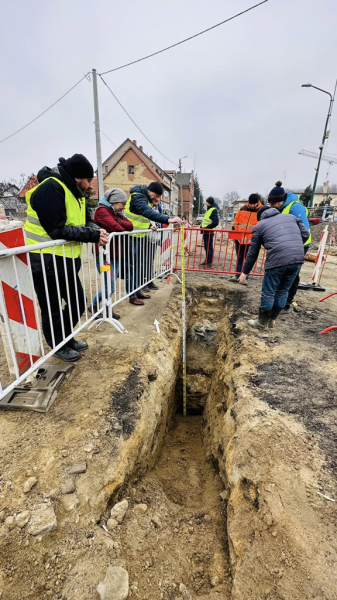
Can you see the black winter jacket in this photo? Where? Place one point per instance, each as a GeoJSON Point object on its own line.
{"type": "Point", "coordinates": [282, 236]}
{"type": "Point", "coordinates": [48, 201]}
{"type": "Point", "coordinates": [139, 205]}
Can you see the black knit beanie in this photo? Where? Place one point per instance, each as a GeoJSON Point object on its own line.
{"type": "Point", "coordinates": [254, 199]}
{"type": "Point", "coordinates": [277, 194]}
{"type": "Point", "coordinates": [80, 167]}
{"type": "Point", "coordinates": [210, 200]}
{"type": "Point", "coordinates": [156, 187]}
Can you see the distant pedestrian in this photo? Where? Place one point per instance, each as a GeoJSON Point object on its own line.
{"type": "Point", "coordinates": [244, 221]}
{"type": "Point", "coordinates": [56, 209]}
{"type": "Point", "coordinates": [210, 221]}
{"type": "Point", "coordinates": [109, 215]}
{"type": "Point", "coordinates": [283, 237]}
{"type": "Point", "coordinates": [288, 204]}
{"type": "Point", "coordinates": [140, 212]}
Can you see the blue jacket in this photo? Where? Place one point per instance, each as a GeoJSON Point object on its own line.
{"type": "Point", "coordinates": [139, 205]}
{"type": "Point", "coordinates": [282, 236]}
{"type": "Point", "coordinates": [298, 210]}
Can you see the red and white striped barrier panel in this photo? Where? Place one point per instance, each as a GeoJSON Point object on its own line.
{"type": "Point", "coordinates": [22, 342]}
{"type": "Point", "coordinates": [320, 256]}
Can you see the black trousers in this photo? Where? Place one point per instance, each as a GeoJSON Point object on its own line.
{"type": "Point", "coordinates": [71, 311]}
{"type": "Point", "coordinates": [294, 287]}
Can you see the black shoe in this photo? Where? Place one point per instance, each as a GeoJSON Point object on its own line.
{"type": "Point", "coordinates": [286, 310]}
{"type": "Point", "coordinates": [145, 289]}
{"type": "Point", "coordinates": [78, 346]}
{"type": "Point", "coordinates": [263, 321]}
{"type": "Point", "coordinates": [68, 354]}
{"type": "Point", "coordinates": [153, 286]}
{"type": "Point", "coordinates": [116, 316]}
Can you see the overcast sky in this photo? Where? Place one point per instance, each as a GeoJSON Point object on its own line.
{"type": "Point", "coordinates": [232, 96]}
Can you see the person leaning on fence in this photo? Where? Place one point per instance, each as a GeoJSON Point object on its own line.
{"type": "Point", "coordinates": [109, 216]}
{"type": "Point", "coordinates": [56, 209]}
{"type": "Point", "coordinates": [210, 221]}
{"type": "Point", "coordinates": [244, 221]}
{"type": "Point", "coordinates": [140, 212]}
{"type": "Point", "coordinates": [282, 236]}
{"type": "Point", "coordinates": [289, 204]}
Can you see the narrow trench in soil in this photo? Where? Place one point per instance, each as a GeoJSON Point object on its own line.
{"type": "Point", "coordinates": [181, 539]}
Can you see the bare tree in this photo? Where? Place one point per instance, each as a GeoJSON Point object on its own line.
{"type": "Point", "coordinates": [232, 197]}
{"type": "Point", "coordinates": [13, 186]}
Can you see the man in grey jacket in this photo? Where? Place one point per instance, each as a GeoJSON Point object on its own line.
{"type": "Point", "coordinates": [282, 235]}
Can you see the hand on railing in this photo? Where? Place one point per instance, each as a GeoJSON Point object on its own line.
{"type": "Point", "coordinates": [103, 237]}
{"type": "Point", "coordinates": [175, 220]}
{"type": "Point", "coordinates": [154, 227]}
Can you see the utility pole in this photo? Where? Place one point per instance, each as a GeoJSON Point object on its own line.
{"type": "Point", "coordinates": [181, 192]}
{"type": "Point", "coordinates": [98, 138]}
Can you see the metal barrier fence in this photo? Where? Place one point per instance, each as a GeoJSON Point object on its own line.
{"type": "Point", "coordinates": [60, 294]}
{"type": "Point", "coordinates": [215, 251]}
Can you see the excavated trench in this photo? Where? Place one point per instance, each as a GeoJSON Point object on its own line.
{"type": "Point", "coordinates": [174, 538]}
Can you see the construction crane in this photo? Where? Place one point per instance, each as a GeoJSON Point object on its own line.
{"type": "Point", "coordinates": [332, 160]}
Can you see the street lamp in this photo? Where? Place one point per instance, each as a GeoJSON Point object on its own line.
{"type": "Point", "coordinates": [181, 189]}
{"type": "Point", "coordinates": [325, 135]}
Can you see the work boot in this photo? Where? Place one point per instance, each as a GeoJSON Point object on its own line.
{"type": "Point", "coordinates": [116, 316]}
{"type": "Point", "coordinates": [262, 321]}
{"type": "Point", "coordinates": [233, 279]}
{"type": "Point", "coordinates": [146, 289]}
{"type": "Point", "coordinates": [274, 313]}
{"type": "Point", "coordinates": [153, 286]}
{"type": "Point", "coordinates": [68, 354]}
{"type": "Point", "coordinates": [286, 310]}
{"type": "Point", "coordinates": [143, 296]}
{"type": "Point", "coordinates": [78, 346]}
{"type": "Point", "coordinates": [136, 302]}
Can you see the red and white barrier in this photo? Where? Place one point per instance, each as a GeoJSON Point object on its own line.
{"type": "Point", "coordinates": [320, 256]}
{"type": "Point", "coordinates": [19, 321]}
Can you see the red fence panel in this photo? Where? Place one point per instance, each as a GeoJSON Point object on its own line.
{"type": "Point", "coordinates": [213, 251]}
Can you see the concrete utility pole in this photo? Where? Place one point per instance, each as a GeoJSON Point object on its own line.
{"type": "Point", "coordinates": [181, 189]}
{"type": "Point", "coordinates": [98, 138]}
{"type": "Point", "coordinates": [325, 137]}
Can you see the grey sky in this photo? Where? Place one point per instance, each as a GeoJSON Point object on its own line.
{"type": "Point", "coordinates": [232, 96]}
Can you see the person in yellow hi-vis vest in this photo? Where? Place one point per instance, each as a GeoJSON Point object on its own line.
{"type": "Point", "coordinates": [209, 222]}
{"type": "Point", "coordinates": [289, 204]}
{"type": "Point", "coordinates": [140, 212]}
{"type": "Point", "coordinates": [56, 209]}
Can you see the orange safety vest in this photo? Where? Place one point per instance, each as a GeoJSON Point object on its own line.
{"type": "Point", "coordinates": [245, 220]}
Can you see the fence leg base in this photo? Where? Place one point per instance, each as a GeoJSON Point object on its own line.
{"type": "Point", "coordinates": [116, 324]}
{"type": "Point", "coordinates": [175, 275]}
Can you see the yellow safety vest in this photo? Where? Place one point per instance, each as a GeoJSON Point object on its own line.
{"type": "Point", "coordinates": [207, 217]}
{"type": "Point", "coordinates": [35, 233]}
{"type": "Point", "coordinates": [286, 211]}
{"type": "Point", "coordinates": [138, 221]}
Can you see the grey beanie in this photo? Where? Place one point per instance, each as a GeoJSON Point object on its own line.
{"type": "Point", "coordinates": [115, 195]}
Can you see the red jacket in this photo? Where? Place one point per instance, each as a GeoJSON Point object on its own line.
{"type": "Point", "coordinates": [111, 221]}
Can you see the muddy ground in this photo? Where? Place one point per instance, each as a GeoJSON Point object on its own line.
{"type": "Point", "coordinates": [269, 445]}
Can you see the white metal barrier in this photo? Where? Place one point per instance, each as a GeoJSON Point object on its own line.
{"type": "Point", "coordinates": [70, 293]}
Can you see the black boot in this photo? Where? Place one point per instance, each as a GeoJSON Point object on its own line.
{"type": "Point", "coordinates": [274, 313]}
{"type": "Point", "coordinates": [262, 321]}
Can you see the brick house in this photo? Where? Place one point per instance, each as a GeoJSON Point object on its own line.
{"type": "Point", "coordinates": [129, 165]}
{"type": "Point", "coordinates": [33, 181]}
{"type": "Point", "coordinates": [187, 182]}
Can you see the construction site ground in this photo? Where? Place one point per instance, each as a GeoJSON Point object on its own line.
{"type": "Point", "coordinates": [236, 501]}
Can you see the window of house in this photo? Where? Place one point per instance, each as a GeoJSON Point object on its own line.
{"type": "Point", "coordinates": [106, 168]}
{"type": "Point", "coordinates": [131, 170]}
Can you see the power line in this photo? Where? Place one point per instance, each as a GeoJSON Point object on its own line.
{"type": "Point", "coordinates": [102, 132]}
{"type": "Point", "coordinates": [134, 122]}
{"type": "Point", "coordinates": [185, 40]}
{"type": "Point", "coordinates": [44, 112]}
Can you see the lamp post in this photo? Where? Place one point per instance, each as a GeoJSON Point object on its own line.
{"type": "Point", "coordinates": [181, 189]}
{"type": "Point", "coordinates": [325, 135]}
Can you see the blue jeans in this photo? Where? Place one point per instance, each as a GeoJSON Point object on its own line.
{"type": "Point", "coordinates": [132, 275]}
{"type": "Point", "coordinates": [276, 285]}
{"type": "Point", "coordinates": [208, 245]}
{"type": "Point", "coordinates": [113, 274]}
{"type": "Point", "coordinates": [241, 253]}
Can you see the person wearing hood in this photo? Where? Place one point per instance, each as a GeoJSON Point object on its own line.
{"type": "Point", "coordinates": [244, 221]}
{"type": "Point", "coordinates": [210, 221]}
{"type": "Point", "coordinates": [109, 215]}
{"type": "Point", "coordinates": [289, 204]}
{"type": "Point", "coordinates": [283, 236]}
{"type": "Point", "coordinates": [140, 212]}
{"type": "Point", "coordinates": [56, 209]}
